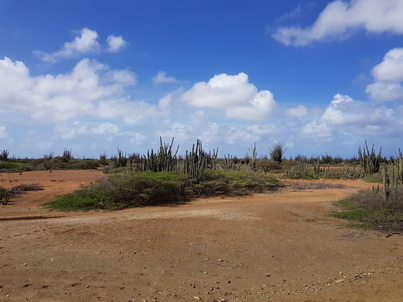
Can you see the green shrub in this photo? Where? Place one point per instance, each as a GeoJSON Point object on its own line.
{"type": "Point", "coordinates": [2, 192]}
{"type": "Point", "coordinates": [14, 166]}
{"type": "Point", "coordinates": [231, 182]}
{"type": "Point", "coordinates": [125, 190]}
{"type": "Point", "coordinates": [373, 210]}
{"type": "Point", "coordinates": [160, 188]}
{"type": "Point", "coordinates": [88, 164]}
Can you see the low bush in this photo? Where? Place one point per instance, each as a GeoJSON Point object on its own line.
{"type": "Point", "coordinates": [160, 188]}
{"type": "Point", "coordinates": [2, 192]}
{"type": "Point", "coordinates": [14, 166]}
{"type": "Point", "coordinates": [371, 209]}
{"type": "Point", "coordinates": [125, 190]}
{"type": "Point", "coordinates": [231, 182]}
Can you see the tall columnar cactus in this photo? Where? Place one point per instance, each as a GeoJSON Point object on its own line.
{"type": "Point", "coordinates": [195, 162]}
{"type": "Point", "coordinates": [252, 158]}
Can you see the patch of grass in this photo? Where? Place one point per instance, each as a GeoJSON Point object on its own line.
{"type": "Point", "coordinates": [374, 178]}
{"type": "Point", "coordinates": [370, 210]}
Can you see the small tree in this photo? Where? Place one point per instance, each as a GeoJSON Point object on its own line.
{"type": "Point", "coordinates": [276, 154]}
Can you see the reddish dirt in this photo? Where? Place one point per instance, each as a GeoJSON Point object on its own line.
{"type": "Point", "coordinates": [266, 247]}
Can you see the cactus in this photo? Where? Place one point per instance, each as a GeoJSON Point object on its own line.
{"type": "Point", "coordinates": [252, 159]}
{"type": "Point", "coordinates": [369, 161]}
{"type": "Point", "coordinates": [195, 162]}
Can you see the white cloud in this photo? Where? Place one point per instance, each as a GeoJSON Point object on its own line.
{"type": "Point", "coordinates": [115, 43]}
{"type": "Point", "coordinates": [383, 92]}
{"type": "Point", "coordinates": [162, 78]}
{"type": "Point", "coordinates": [299, 111]}
{"type": "Point", "coordinates": [90, 89]}
{"type": "Point", "coordinates": [86, 42]}
{"type": "Point", "coordinates": [78, 128]}
{"type": "Point", "coordinates": [234, 94]}
{"type": "Point", "coordinates": [340, 19]}
{"type": "Point", "coordinates": [258, 108]}
{"type": "Point", "coordinates": [388, 76]}
{"type": "Point", "coordinates": [3, 132]}
{"type": "Point", "coordinates": [391, 68]}
{"type": "Point", "coordinates": [317, 132]}
{"type": "Point", "coordinates": [344, 111]}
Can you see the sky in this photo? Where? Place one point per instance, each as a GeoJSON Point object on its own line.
{"type": "Point", "coordinates": [94, 76]}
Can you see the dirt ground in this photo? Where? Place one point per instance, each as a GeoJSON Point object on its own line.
{"type": "Point", "coordinates": [267, 247]}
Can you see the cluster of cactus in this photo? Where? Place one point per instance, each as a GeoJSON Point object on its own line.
{"type": "Point", "coordinates": [120, 160]}
{"type": "Point", "coordinates": [231, 163]}
{"type": "Point", "coordinates": [195, 162]}
{"type": "Point", "coordinates": [163, 160]}
{"type": "Point", "coordinates": [370, 162]}
{"type": "Point", "coordinates": [67, 155]}
{"type": "Point", "coordinates": [251, 158]}
{"type": "Point", "coordinates": [4, 155]}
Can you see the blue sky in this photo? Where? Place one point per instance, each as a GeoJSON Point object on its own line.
{"type": "Point", "coordinates": [320, 77]}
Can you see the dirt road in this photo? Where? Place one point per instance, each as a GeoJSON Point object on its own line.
{"type": "Point", "coordinates": [266, 247]}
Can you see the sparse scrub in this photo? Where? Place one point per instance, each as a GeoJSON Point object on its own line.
{"type": "Point", "coordinates": [230, 182]}
{"type": "Point", "coordinates": [267, 165]}
{"type": "Point", "coordinates": [6, 195]}
{"type": "Point", "coordinates": [89, 164]}
{"type": "Point", "coordinates": [371, 209]}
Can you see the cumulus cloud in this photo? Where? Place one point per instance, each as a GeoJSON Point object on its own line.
{"type": "Point", "coordinates": [162, 78]}
{"type": "Point", "coordinates": [115, 43]}
{"type": "Point", "coordinates": [299, 111]}
{"type": "Point", "coordinates": [3, 132]}
{"type": "Point", "coordinates": [233, 94]}
{"type": "Point", "coordinates": [90, 89]}
{"type": "Point", "coordinates": [317, 132]}
{"type": "Point", "coordinates": [77, 128]}
{"type": "Point", "coordinates": [388, 76]}
{"type": "Point", "coordinates": [344, 111]}
{"type": "Point", "coordinates": [86, 42]}
{"type": "Point", "coordinates": [340, 19]}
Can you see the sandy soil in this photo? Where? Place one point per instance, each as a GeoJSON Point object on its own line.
{"type": "Point", "coordinates": [266, 247]}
